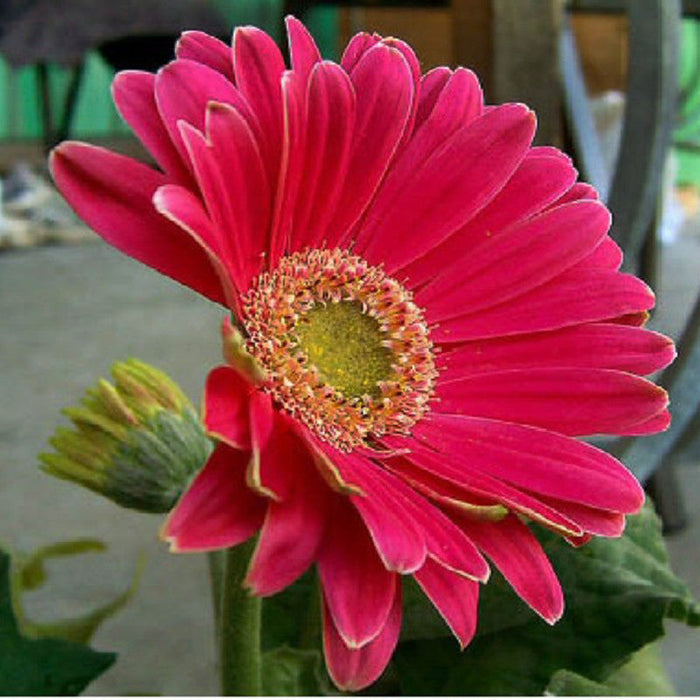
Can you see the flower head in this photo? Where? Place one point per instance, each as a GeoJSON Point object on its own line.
{"type": "Point", "coordinates": [138, 441]}
{"type": "Point", "coordinates": [427, 312]}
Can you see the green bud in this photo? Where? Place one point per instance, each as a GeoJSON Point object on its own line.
{"type": "Point", "coordinates": [138, 441]}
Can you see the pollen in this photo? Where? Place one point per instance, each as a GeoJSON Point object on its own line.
{"type": "Point", "coordinates": [344, 348]}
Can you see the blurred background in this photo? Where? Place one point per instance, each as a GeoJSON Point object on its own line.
{"type": "Point", "coordinates": [616, 84]}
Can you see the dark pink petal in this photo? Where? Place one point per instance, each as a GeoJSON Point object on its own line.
{"type": "Point", "coordinates": [550, 151]}
{"type": "Point", "coordinates": [447, 545]}
{"type": "Point", "coordinates": [569, 401]}
{"type": "Point", "coordinates": [206, 49]}
{"type": "Point", "coordinates": [410, 56]}
{"type": "Point", "coordinates": [213, 190]}
{"type": "Point", "coordinates": [113, 194]}
{"type": "Point", "coordinates": [182, 207]}
{"type": "Point", "coordinates": [183, 89]}
{"type": "Point", "coordinates": [445, 542]}
{"type": "Point", "coordinates": [269, 438]}
{"type": "Point", "coordinates": [302, 48]}
{"type": "Point", "coordinates": [578, 541]}
{"type": "Point", "coordinates": [354, 669]}
{"type": "Point", "coordinates": [520, 558]}
{"type": "Point", "coordinates": [453, 484]}
{"type": "Point", "coordinates": [424, 200]}
{"type": "Point", "coordinates": [258, 65]}
{"type": "Point", "coordinates": [329, 129]}
{"type": "Point", "coordinates": [606, 256]}
{"type": "Point", "coordinates": [235, 152]}
{"type": "Point", "coordinates": [655, 424]}
{"type": "Point", "coordinates": [134, 95]}
{"type": "Point", "coordinates": [281, 457]}
{"type": "Point", "coordinates": [454, 596]}
{"type": "Point", "coordinates": [581, 190]}
{"type": "Point", "coordinates": [407, 52]}
{"type": "Point", "coordinates": [233, 212]}
{"type": "Point", "coordinates": [384, 90]}
{"type": "Point", "coordinates": [357, 47]}
{"type": "Point", "coordinates": [593, 521]}
{"type": "Point", "coordinates": [540, 178]}
{"type": "Point", "coordinates": [359, 590]}
{"type": "Point", "coordinates": [536, 460]}
{"type": "Point", "coordinates": [326, 468]}
{"type": "Point", "coordinates": [399, 541]}
{"type": "Point", "coordinates": [458, 103]}
{"type": "Point", "coordinates": [217, 510]}
{"type": "Point", "coordinates": [637, 319]}
{"type": "Point", "coordinates": [430, 87]}
{"type": "Point", "coordinates": [575, 296]}
{"type": "Point", "coordinates": [290, 173]}
{"type": "Point", "coordinates": [602, 345]}
{"type": "Point", "coordinates": [512, 263]}
{"type": "Point", "coordinates": [293, 527]}
{"type": "Point", "coordinates": [227, 396]}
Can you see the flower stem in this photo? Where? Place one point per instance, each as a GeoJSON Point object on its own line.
{"type": "Point", "coordinates": [240, 627]}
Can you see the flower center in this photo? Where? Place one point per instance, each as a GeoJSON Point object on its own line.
{"type": "Point", "coordinates": [344, 348]}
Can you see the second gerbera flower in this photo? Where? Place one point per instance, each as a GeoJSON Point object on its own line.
{"type": "Point", "coordinates": [428, 313]}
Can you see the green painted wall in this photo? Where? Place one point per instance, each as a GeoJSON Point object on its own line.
{"type": "Point", "coordinates": [686, 136]}
{"type": "Point", "coordinates": [20, 115]}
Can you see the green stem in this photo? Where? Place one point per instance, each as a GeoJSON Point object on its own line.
{"type": "Point", "coordinates": [240, 627]}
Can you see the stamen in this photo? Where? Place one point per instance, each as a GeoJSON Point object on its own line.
{"type": "Point", "coordinates": [344, 348]}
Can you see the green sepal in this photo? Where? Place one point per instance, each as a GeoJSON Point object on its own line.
{"type": "Point", "coordinates": [151, 471]}
{"type": "Point", "coordinates": [236, 354]}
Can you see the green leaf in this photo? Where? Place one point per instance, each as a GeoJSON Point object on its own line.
{"type": "Point", "coordinates": [29, 573]}
{"type": "Point", "coordinates": [33, 570]}
{"type": "Point", "coordinates": [41, 666]}
{"type": "Point", "coordinates": [618, 592]}
{"type": "Point", "coordinates": [81, 629]}
{"type": "Point", "coordinates": [289, 671]}
{"type": "Point", "coordinates": [292, 617]}
{"type": "Point", "coordinates": [420, 618]}
{"type": "Point", "coordinates": [643, 674]}
{"type": "Point", "coordinates": [291, 641]}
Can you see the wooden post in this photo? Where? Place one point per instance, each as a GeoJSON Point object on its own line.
{"type": "Point", "coordinates": [472, 40]}
{"type": "Point", "coordinates": [526, 60]}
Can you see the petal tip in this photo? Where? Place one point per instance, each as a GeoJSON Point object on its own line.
{"type": "Point", "coordinates": [165, 535]}
{"type": "Point", "coordinates": [64, 149]}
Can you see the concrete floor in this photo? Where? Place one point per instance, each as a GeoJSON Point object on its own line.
{"type": "Point", "coordinates": [65, 315]}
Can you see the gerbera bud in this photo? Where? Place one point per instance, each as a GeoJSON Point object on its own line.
{"type": "Point", "coordinates": [138, 441]}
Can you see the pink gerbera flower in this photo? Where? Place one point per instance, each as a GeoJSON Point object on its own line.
{"type": "Point", "coordinates": [427, 312]}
